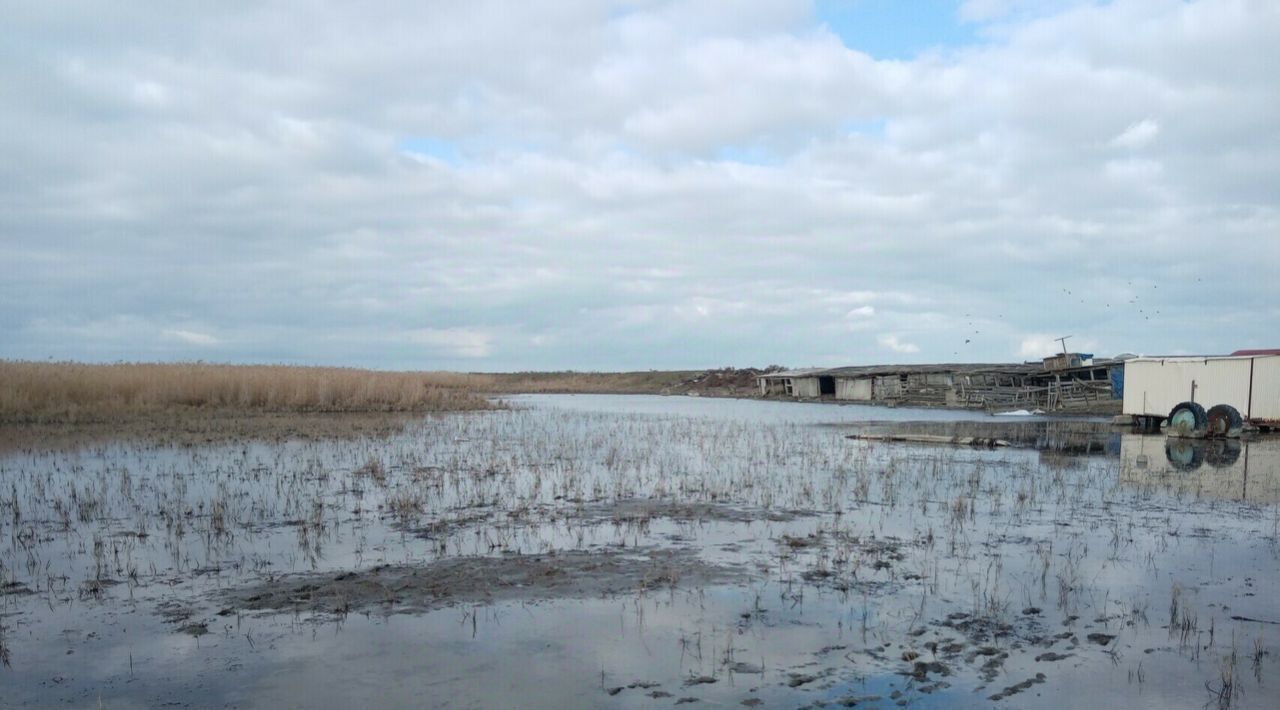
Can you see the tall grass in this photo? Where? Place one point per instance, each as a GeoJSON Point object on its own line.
{"type": "Point", "coordinates": [73, 392]}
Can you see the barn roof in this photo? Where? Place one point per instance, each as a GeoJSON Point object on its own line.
{"type": "Point", "coordinates": [808, 372]}
{"type": "Point", "coordinates": [881, 370]}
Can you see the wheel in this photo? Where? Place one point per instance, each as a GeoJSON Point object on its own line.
{"type": "Point", "coordinates": [1222, 453]}
{"type": "Point", "coordinates": [1188, 420]}
{"type": "Point", "coordinates": [1224, 420]}
{"type": "Point", "coordinates": [1184, 455]}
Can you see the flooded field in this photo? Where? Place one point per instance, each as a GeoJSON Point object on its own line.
{"type": "Point", "coordinates": [629, 551]}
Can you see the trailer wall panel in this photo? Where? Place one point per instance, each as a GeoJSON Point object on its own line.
{"type": "Point", "coordinates": [1266, 389]}
{"type": "Point", "coordinates": [1153, 386]}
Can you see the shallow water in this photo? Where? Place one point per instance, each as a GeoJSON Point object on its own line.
{"type": "Point", "coordinates": [826, 569]}
{"type": "Point", "coordinates": [749, 410]}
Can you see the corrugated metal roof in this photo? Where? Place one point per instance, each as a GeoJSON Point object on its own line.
{"type": "Point", "coordinates": [880, 370]}
{"type": "Point", "coordinates": [1198, 358]}
{"type": "Point", "coordinates": [1019, 368]}
{"type": "Point", "coordinates": [809, 372]}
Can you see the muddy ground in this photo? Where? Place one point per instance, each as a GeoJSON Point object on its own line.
{"type": "Point", "coordinates": [413, 588]}
{"type": "Point", "coordinates": [579, 551]}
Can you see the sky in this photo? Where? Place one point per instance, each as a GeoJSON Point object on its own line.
{"type": "Point", "coordinates": [641, 184]}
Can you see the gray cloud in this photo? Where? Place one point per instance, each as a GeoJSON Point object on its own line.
{"type": "Point", "coordinates": [639, 184]}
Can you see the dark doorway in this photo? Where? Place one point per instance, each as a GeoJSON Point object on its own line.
{"type": "Point", "coordinates": [827, 386]}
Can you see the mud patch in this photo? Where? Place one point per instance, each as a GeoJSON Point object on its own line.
{"type": "Point", "coordinates": [639, 510]}
{"type": "Point", "coordinates": [416, 588]}
{"type": "Point", "coordinates": [15, 589]}
{"type": "Point", "coordinates": [1019, 687]}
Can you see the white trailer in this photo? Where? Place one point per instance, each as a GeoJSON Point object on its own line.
{"type": "Point", "coordinates": [1201, 396]}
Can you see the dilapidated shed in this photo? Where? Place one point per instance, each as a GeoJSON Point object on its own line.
{"type": "Point", "coordinates": [1091, 386]}
{"type": "Point", "coordinates": [805, 384]}
{"type": "Point", "coordinates": [942, 385]}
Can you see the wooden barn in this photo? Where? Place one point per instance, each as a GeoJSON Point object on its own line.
{"type": "Point", "coordinates": [943, 385]}
{"type": "Point", "coordinates": [801, 384]}
{"type": "Point", "coordinates": [1081, 385]}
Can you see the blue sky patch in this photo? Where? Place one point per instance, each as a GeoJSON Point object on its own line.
{"type": "Point", "coordinates": [747, 154]}
{"type": "Point", "coordinates": [437, 148]}
{"type": "Point", "coordinates": [896, 29]}
{"type": "Point", "coordinates": [868, 127]}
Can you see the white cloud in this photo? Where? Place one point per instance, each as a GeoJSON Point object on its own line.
{"type": "Point", "coordinates": [457, 342]}
{"type": "Point", "coordinates": [150, 94]}
{"type": "Point", "coordinates": [191, 337]}
{"type": "Point", "coordinates": [983, 10]}
{"type": "Point", "coordinates": [1038, 346]}
{"type": "Point", "coordinates": [891, 342]}
{"type": "Point", "coordinates": [1133, 171]}
{"type": "Point", "coordinates": [1138, 134]}
{"type": "Point", "coordinates": [659, 184]}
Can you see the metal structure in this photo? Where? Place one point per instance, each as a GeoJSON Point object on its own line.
{"type": "Point", "coordinates": [1203, 396]}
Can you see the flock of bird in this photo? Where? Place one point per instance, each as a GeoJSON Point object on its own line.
{"type": "Point", "coordinates": [1135, 302]}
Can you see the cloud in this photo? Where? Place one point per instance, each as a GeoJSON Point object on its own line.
{"type": "Point", "coordinates": [891, 342]}
{"type": "Point", "coordinates": [634, 185]}
{"type": "Point", "coordinates": [191, 337]}
{"type": "Point", "coordinates": [458, 342]}
{"type": "Point", "coordinates": [1138, 134]}
{"type": "Point", "coordinates": [982, 10]}
{"type": "Point", "coordinates": [1038, 346]}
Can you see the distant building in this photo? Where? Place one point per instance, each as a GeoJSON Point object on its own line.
{"type": "Point", "coordinates": [1065, 361]}
{"type": "Point", "coordinates": [1077, 383]}
{"type": "Point", "coordinates": [805, 384]}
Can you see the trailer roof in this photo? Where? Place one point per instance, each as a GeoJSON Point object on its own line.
{"type": "Point", "coordinates": [1199, 358]}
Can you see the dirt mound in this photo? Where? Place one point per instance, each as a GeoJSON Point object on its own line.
{"type": "Point", "coordinates": [413, 588]}
{"type": "Point", "coordinates": [726, 382]}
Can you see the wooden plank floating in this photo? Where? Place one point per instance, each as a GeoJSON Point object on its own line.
{"type": "Point", "coordinates": [981, 442]}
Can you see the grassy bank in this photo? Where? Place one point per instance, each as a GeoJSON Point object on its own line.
{"type": "Point", "coordinates": [63, 392]}
{"type": "Point", "coordinates": [168, 395]}
{"type": "Point", "coordinates": [646, 382]}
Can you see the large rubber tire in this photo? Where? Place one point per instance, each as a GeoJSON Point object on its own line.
{"type": "Point", "coordinates": [1222, 453]}
{"type": "Point", "coordinates": [1184, 456]}
{"type": "Point", "coordinates": [1224, 420]}
{"type": "Point", "coordinates": [1187, 420]}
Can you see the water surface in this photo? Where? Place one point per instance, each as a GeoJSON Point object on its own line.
{"type": "Point", "coordinates": [724, 551]}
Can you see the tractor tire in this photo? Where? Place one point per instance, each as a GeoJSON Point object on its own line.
{"type": "Point", "coordinates": [1184, 456]}
{"type": "Point", "coordinates": [1222, 453]}
{"type": "Point", "coordinates": [1188, 420]}
{"type": "Point", "coordinates": [1224, 420]}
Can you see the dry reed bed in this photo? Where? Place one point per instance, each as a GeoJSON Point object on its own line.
{"type": "Point", "coordinates": [34, 392]}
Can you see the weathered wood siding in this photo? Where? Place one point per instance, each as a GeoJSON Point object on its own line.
{"type": "Point", "coordinates": [856, 390]}
{"type": "Point", "coordinates": [804, 387]}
